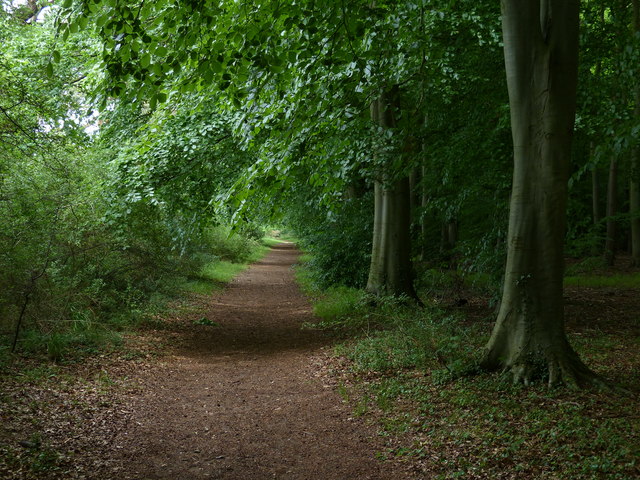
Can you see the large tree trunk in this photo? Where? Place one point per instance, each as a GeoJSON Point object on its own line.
{"type": "Point", "coordinates": [541, 54]}
{"type": "Point", "coordinates": [390, 272]}
{"type": "Point", "coordinates": [634, 187]}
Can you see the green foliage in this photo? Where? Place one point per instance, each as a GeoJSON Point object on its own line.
{"type": "Point", "coordinates": [340, 305]}
{"type": "Point", "coordinates": [466, 429]}
{"type": "Point", "coordinates": [402, 363]}
{"type": "Point", "coordinates": [96, 229]}
{"type": "Point", "coordinates": [404, 337]}
{"type": "Point", "coordinates": [338, 240]}
{"type": "Point", "coordinates": [228, 245]}
{"type": "Point", "coordinates": [596, 281]}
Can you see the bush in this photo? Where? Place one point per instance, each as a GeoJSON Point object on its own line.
{"type": "Point", "coordinates": [339, 242]}
{"type": "Point", "coordinates": [224, 243]}
{"type": "Point", "coordinates": [79, 260]}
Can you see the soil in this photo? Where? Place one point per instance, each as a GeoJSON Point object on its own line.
{"type": "Point", "coordinates": [230, 386]}
{"type": "Point", "coordinates": [243, 393]}
{"type": "Point", "coordinates": [244, 398]}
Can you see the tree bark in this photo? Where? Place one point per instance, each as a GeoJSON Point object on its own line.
{"type": "Point", "coordinates": [415, 180]}
{"type": "Point", "coordinates": [390, 272]}
{"type": "Point", "coordinates": [424, 224]}
{"type": "Point", "coordinates": [595, 189]}
{"type": "Point", "coordinates": [596, 248]}
{"type": "Point", "coordinates": [612, 210]}
{"type": "Point", "coordinates": [541, 55]}
{"type": "Point", "coordinates": [634, 184]}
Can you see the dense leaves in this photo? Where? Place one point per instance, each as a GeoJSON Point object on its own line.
{"type": "Point", "coordinates": [258, 113]}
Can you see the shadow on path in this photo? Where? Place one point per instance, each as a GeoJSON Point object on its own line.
{"type": "Point", "coordinates": [249, 399]}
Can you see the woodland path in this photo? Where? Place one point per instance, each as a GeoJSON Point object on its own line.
{"type": "Point", "coordinates": [245, 399]}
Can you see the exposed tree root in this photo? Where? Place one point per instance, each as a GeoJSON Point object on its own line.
{"type": "Point", "coordinates": [374, 299]}
{"type": "Point", "coordinates": [556, 368]}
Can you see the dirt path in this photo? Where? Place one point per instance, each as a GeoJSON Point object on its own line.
{"type": "Point", "coordinates": [245, 399]}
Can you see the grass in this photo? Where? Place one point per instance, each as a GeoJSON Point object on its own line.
{"type": "Point", "coordinates": [415, 372]}
{"type": "Point", "coordinates": [215, 274]}
{"type": "Point", "coordinates": [598, 281]}
{"type": "Point", "coordinates": [85, 334]}
{"type": "Point", "coordinates": [272, 241]}
{"type": "Point", "coordinates": [592, 272]}
{"type": "Point", "coordinates": [479, 427]}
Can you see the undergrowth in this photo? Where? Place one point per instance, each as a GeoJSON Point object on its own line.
{"type": "Point", "coordinates": [88, 329]}
{"type": "Point", "coordinates": [414, 371]}
{"type": "Point", "coordinates": [596, 281]}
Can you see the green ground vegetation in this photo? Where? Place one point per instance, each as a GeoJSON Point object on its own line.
{"type": "Point", "coordinates": [93, 331]}
{"type": "Point", "coordinates": [414, 371]}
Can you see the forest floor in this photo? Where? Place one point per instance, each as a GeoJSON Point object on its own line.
{"type": "Point", "coordinates": [230, 387]}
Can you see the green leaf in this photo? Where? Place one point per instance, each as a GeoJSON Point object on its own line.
{"type": "Point", "coordinates": [49, 69]}
{"type": "Point", "coordinates": [145, 60]}
{"type": "Point", "coordinates": [216, 67]}
{"type": "Point", "coordinates": [83, 22]}
{"type": "Point", "coordinates": [56, 56]}
{"type": "Point", "coordinates": [101, 20]}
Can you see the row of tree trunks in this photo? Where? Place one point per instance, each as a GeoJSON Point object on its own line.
{"type": "Point", "coordinates": [612, 210]}
{"type": "Point", "coordinates": [595, 188]}
{"type": "Point", "coordinates": [390, 272]}
{"type": "Point", "coordinates": [634, 181]}
{"type": "Point", "coordinates": [612, 240]}
{"type": "Point", "coordinates": [634, 186]}
{"type": "Point", "coordinates": [528, 339]}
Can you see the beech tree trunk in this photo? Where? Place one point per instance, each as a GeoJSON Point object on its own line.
{"type": "Point", "coordinates": [541, 55]}
{"type": "Point", "coordinates": [595, 189]}
{"type": "Point", "coordinates": [596, 248]}
{"type": "Point", "coordinates": [612, 210]}
{"type": "Point", "coordinates": [424, 225]}
{"type": "Point", "coordinates": [634, 184]}
{"type": "Point", "coordinates": [390, 272]}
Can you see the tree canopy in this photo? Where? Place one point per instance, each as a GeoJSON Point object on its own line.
{"type": "Point", "coordinates": [379, 131]}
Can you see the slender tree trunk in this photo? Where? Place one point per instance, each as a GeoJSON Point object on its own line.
{"type": "Point", "coordinates": [414, 184]}
{"type": "Point", "coordinates": [595, 190]}
{"type": "Point", "coordinates": [424, 200]}
{"type": "Point", "coordinates": [612, 210]}
{"type": "Point", "coordinates": [390, 272]}
{"type": "Point", "coordinates": [596, 248]}
{"type": "Point", "coordinates": [634, 186]}
{"type": "Point", "coordinates": [541, 54]}
{"type": "Point", "coordinates": [452, 233]}
{"type": "Point", "coordinates": [634, 197]}
{"type": "Point", "coordinates": [415, 187]}
{"type": "Point", "coordinates": [444, 239]}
